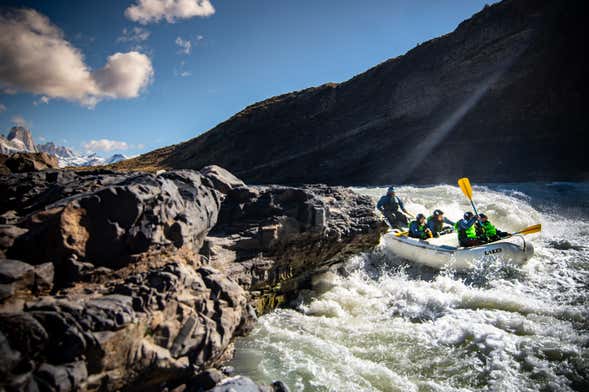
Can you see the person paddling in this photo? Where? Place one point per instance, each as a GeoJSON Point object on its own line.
{"type": "Point", "coordinates": [436, 223]}
{"type": "Point", "coordinates": [393, 209]}
{"type": "Point", "coordinates": [467, 230]}
{"type": "Point", "coordinates": [489, 231]}
{"type": "Point", "coordinates": [418, 228]}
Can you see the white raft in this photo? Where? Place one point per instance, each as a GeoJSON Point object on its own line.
{"type": "Point", "coordinates": [444, 251]}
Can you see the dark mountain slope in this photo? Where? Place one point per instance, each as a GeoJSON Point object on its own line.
{"type": "Point", "coordinates": [502, 98]}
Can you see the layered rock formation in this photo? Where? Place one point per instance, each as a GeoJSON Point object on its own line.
{"type": "Point", "coordinates": [500, 98]}
{"type": "Point", "coordinates": [139, 281]}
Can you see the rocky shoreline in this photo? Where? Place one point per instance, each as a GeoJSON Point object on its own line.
{"type": "Point", "coordinates": [137, 281]}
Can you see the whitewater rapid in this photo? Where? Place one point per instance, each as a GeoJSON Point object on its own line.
{"type": "Point", "coordinates": [377, 323]}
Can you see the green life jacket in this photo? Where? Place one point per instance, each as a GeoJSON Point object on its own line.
{"type": "Point", "coordinates": [489, 229]}
{"type": "Point", "coordinates": [471, 232]}
{"type": "Point", "coordinates": [421, 229]}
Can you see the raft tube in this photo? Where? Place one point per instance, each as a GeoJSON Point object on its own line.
{"type": "Point", "coordinates": [444, 251]}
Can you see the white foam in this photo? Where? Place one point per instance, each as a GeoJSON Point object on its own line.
{"type": "Point", "coordinates": [388, 326]}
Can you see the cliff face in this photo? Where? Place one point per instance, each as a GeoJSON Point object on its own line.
{"type": "Point", "coordinates": [500, 98]}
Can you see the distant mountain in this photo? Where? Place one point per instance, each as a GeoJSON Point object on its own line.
{"type": "Point", "coordinates": [19, 139]}
{"type": "Point", "coordinates": [23, 135]}
{"type": "Point", "coordinates": [501, 98]}
{"type": "Point", "coordinates": [116, 158]}
{"type": "Point", "coordinates": [53, 149]}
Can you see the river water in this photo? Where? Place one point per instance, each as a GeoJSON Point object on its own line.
{"type": "Point", "coordinates": [377, 323]}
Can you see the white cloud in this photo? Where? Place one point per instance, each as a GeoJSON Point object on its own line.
{"type": "Point", "coordinates": [147, 11]}
{"type": "Point", "coordinates": [105, 145]}
{"type": "Point", "coordinates": [184, 45]}
{"type": "Point", "coordinates": [2, 108]}
{"type": "Point", "coordinates": [36, 58]}
{"type": "Point", "coordinates": [43, 100]}
{"type": "Point", "coordinates": [135, 35]}
{"type": "Point", "coordinates": [19, 121]}
{"type": "Point", "coordinates": [125, 75]}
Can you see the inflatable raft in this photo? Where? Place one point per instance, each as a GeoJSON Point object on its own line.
{"type": "Point", "coordinates": [444, 251]}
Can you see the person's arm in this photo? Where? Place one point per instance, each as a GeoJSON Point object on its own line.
{"type": "Point", "coordinates": [402, 206]}
{"type": "Point", "coordinates": [380, 204]}
{"type": "Point", "coordinates": [413, 232]}
{"type": "Point", "coordinates": [432, 228]}
{"type": "Point", "coordinates": [471, 222]}
{"type": "Point", "coordinates": [448, 221]}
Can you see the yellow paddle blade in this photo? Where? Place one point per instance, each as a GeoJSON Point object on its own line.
{"type": "Point", "coordinates": [401, 233]}
{"type": "Point", "coordinates": [531, 230]}
{"type": "Point", "coordinates": [464, 184]}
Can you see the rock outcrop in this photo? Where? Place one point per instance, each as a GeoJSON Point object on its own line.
{"type": "Point", "coordinates": [21, 162]}
{"type": "Point", "coordinates": [113, 281]}
{"type": "Point", "coordinates": [501, 98]}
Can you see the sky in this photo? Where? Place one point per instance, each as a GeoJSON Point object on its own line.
{"type": "Point", "coordinates": [129, 76]}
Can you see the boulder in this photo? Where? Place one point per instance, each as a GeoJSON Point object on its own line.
{"type": "Point", "coordinates": [222, 180]}
{"type": "Point", "coordinates": [27, 162]}
{"type": "Point", "coordinates": [21, 279]}
{"type": "Point", "coordinates": [131, 215]}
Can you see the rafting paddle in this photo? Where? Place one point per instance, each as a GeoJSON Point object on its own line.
{"type": "Point", "coordinates": [529, 230]}
{"type": "Point", "coordinates": [464, 184]}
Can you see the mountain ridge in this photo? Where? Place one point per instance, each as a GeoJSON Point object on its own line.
{"type": "Point", "coordinates": [496, 99]}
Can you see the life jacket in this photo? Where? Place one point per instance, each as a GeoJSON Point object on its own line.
{"type": "Point", "coordinates": [420, 228]}
{"type": "Point", "coordinates": [471, 232]}
{"type": "Point", "coordinates": [438, 226]}
{"type": "Point", "coordinates": [488, 229]}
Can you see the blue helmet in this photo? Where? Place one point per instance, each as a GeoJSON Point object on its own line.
{"type": "Point", "coordinates": [468, 215]}
{"type": "Point", "coordinates": [391, 189]}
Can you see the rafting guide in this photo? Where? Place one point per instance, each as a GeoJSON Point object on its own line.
{"type": "Point", "coordinates": [393, 209]}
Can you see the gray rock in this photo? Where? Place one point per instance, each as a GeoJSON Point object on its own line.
{"type": "Point", "coordinates": [107, 225]}
{"type": "Point", "coordinates": [222, 180]}
{"type": "Point", "coordinates": [237, 384]}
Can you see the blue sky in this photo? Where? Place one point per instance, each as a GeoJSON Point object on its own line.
{"type": "Point", "coordinates": [242, 53]}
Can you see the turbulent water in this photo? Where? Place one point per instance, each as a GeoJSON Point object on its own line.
{"type": "Point", "coordinates": [378, 323]}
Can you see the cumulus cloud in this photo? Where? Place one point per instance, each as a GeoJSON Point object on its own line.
{"type": "Point", "coordinates": [148, 11]}
{"type": "Point", "coordinates": [105, 145]}
{"type": "Point", "coordinates": [36, 58]}
{"type": "Point", "coordinates": [19, 121]}
{"type": "Point", "coordinates": [124, 75]}
{"type": "Point", "coordinates": [184, 45]}
{"type": "Point", "coordinates": [2, 108]}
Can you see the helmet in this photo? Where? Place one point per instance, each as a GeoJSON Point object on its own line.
{"type": "Point", "coordinates": [438, 212]}
{"type": "Point", "coordinates": [419, 217]}
{"type": "Point", "coordinates": [391, 189]}
{"type": "Point", "coordinates": [482, 216]}
{"type": "Point", "coordinates": [468, 215]}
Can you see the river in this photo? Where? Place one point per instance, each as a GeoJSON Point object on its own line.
{"type": "Point", "coordinates": [377, 323]}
